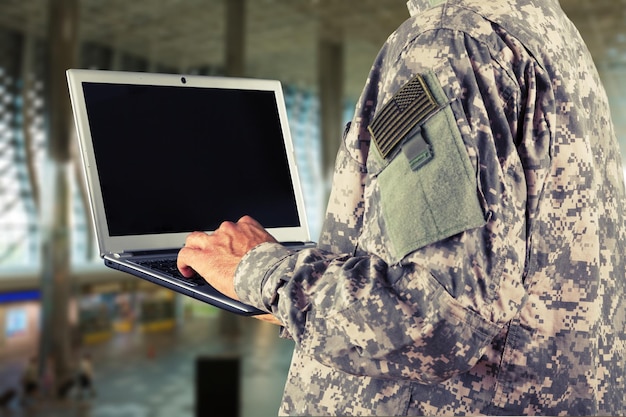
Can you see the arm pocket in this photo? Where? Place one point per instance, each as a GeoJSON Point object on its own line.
{"type": "Point", "coordinates": [427, 200]}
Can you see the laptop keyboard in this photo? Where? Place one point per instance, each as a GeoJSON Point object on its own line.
{"type": "Point", "coordinates": [168, 267]}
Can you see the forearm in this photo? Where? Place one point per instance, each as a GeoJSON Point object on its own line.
{"type": "Point", "coordinates": [358, 315]}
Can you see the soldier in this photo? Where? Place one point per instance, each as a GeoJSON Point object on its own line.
{"type": "Point", "coordinates": [472, 257]}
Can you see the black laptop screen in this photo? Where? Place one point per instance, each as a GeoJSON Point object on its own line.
{"type": "Point", "coordinates": [174, 159]}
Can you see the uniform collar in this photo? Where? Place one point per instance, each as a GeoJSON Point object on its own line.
{"type": "Point", "coordinates": [417, 6]}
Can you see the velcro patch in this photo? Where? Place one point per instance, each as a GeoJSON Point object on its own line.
{"type": "Point", "coordinates": [417, 151]}
{"type": "Point", "coordinates": [411, 105]}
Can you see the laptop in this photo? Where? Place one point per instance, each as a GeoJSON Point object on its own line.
{"type": "Point", "coordinates": [165, 155]}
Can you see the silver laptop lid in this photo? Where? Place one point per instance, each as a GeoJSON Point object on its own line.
{"type": "Point", "coordinates": [168, 154]}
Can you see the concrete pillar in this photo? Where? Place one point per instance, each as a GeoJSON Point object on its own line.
{"type": "Point", "coordinates": [61, 55]}
{"type": "Point", "coordinates": [234, 66]}
{"type": "Point", "coordinates": [330, 82]}
{"type": "Point", "coordinates": [56, 287]}
{"type": "Point", "coordinates": [116, 59]}
{"type": "Point", "coordinates": [235, 36]}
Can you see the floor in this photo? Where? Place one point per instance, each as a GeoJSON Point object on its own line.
{"type": "Point", "coordinates": [154, 375]}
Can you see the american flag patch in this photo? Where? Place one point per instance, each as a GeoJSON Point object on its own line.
{"type": "Point", "coordinates": [411, 105]}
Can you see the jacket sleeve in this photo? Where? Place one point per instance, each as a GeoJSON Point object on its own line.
{"type": "Point", "coordinates": [428, 312]}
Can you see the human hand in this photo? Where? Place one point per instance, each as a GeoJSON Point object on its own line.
{"type": "Point", "coordinates": [215, 257]}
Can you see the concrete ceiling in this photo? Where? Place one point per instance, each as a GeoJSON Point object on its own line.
{"type": "Point", "coordinates": [281, 34]}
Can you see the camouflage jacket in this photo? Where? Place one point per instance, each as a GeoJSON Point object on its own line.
{"type": "Point", "coordinates": [472, 259]}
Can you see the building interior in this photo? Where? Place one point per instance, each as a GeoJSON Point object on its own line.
{"type": "Point", "coordinates": [154, 352]}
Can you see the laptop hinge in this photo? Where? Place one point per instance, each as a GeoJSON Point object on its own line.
{"type": "Point", "coordinates": [121, 255]}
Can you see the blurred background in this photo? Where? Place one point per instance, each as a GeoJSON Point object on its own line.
{"type": "Point", "coordinates": [155, 353]}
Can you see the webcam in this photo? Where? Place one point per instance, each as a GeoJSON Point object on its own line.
{"type": "Point", "coordinates": [183, 80]}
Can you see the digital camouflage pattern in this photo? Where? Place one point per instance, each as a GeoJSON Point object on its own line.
{"type": "Point", "coordinates": [477, 267]}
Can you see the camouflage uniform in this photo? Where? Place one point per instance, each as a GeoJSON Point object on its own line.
{"type": "Point", "coordinates": [472, 258]}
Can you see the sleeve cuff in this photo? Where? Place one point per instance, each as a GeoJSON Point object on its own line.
{"type": "Point", "coordinates": [254, 283]}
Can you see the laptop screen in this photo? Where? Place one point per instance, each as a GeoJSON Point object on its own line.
{"type": "Point", "coordinates": [174, 160]}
